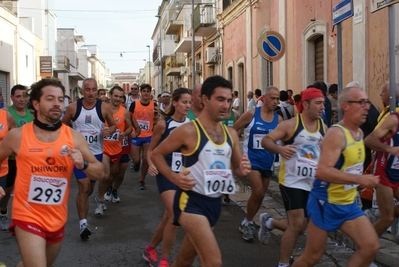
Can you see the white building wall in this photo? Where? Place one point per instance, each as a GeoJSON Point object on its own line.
{"type": "Point", "coordinates": [26, 56]}
{"type": "Point", "coordinates": [8, 45]}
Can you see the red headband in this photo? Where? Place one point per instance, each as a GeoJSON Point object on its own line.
{"type": "Point", "coordinates": [307, 94]}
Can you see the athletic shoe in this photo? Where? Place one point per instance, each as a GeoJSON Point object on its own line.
{"type": "Point", "coordinates": [372, 214]}
{"type": "Point", "coordinates": [163, 263]}
{"type": "Point", "coordinates": [151, 257]}
{"type": "Point", "coordinates": [84, 232]}
{"type": "Point", "coordinates": [115, 197]}
{"type": "Point", "coordinates": [100, 207]}
{"type": "Point", "coordinates": [248, 231]}
{"type": "Point", "coordinates": [131, 166]}
{"type": "Point", "coordinates": [136, 167]}
{"type": "Point", "coordinates": [142, 186]}
{"type": "Point", "coordinates": [4, 224]}
{"type": "Point", "coordinates": [264, 232]}
{"type": "Point", "coordinates": [107, 195]}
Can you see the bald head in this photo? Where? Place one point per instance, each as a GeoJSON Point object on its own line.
{"type": "Point", "coordinates": [196, 98]}
{"type": "Point", "coordinates": [385, 94]}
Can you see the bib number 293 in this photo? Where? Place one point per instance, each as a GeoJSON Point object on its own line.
{"type": "Point", "coordinates": [47, 190]}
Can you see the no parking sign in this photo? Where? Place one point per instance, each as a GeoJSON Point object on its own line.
{"type": "Point", "coordinates": [271, 45]}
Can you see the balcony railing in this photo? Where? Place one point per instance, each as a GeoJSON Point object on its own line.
{"type": "Point", "coordinates": [204, 17]}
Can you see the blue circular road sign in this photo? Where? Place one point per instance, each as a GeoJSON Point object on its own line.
{"type": "Point", "coordinates": [271, 45]}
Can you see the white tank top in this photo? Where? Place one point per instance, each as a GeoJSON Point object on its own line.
{"type": "Point", "coordinates": [90, 122]}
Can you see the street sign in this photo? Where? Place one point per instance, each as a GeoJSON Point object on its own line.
{"type": "Point", "coordinates": [379, 4]}
{"type": "Point", "coordinates": [342, 11]}
{"type": "Point", "coordinates": [271, 45]}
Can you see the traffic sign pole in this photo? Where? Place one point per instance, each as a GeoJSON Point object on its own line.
{"type": "Point", "coordinates": [339, 63]}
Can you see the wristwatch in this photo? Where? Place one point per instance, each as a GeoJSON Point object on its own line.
{"type": "Point", "coordinates": [85, 165]}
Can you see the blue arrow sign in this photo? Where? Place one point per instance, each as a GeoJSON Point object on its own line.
{"type": "Point", "coordinates": [342, 11]}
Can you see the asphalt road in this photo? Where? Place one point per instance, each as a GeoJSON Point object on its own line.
{"type": "Point", "coordinates": [120, 235]}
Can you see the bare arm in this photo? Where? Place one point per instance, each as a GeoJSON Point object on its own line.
{"type": "Point", "coordinates": [129, 127]}
{"type": "Point", "coordinates": [11, 122]}
{"type": "Point", "coordinates": [136, 127]}
{"type": "Point", "coordinates": [81, 152]}
{"type": "Point", "coordinates": [385, 130]}
{"type": "Point", "coordinates": [69, 114]}
{"type": "Point", "coordinates": [239, 161]}
{"type": "Point", "coordinates": [159, 129]}
{"type": "Point", "coordinates": [244, 120]}
{"type": "Point", "coordinates": [331, 148]}
{"type": "Point", "coordinates": [109, 118]}
{"type": "Point", "coordinates": [10, 144]}
{"type": "Point", "coordinates": [282, 132]}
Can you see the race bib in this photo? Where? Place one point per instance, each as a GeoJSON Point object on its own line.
{"type": "Point", "coordinates": [144, 125]}
{"type": "Point", "coordinates": [219, 181]}
{"type": "Point", "coordinates": [256, 141]}
{"type": "Point", "coordinates": [356, 169]}
{"type": "Point", "coordinates": [305, 168]}
{"type": "Point", "coordinates": [47, 190]}
{"type": "Point", "coordinates": [177, 163]}
{"type": "Point", "coordinates": [125, 141]}
{"type": "Point", "coordinates": [90, 139]}
{"type": "Point", "coordinates": [113, 137]}
{"type": "Point", "coordinates": [395, 164]}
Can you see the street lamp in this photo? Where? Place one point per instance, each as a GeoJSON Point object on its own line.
{"type": "Point", "coordinates": [149, 65]}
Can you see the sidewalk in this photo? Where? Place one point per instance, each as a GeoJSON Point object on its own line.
{"type": "Point", "coordinates": [339, 247]}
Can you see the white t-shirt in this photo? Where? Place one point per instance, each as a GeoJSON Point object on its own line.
{"type": "Point", "coordinates": [237, 103]}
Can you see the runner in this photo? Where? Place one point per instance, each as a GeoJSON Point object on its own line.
{"type": "Point", "coordinates": [196, 107]}
{"type": "Point", "coordinates": [385, 140]}
{"type": "Point", "coordinates": [331, 204]}
{"type": "Point", "coordinates": [46, 154]}
{"type": "Point", "coordinates": [21, 116]}
{"type": "Point", "coordinates": [166, 231]}
{"type": "Point", "coordinates": [113, 149]}
{"type": "Point", "coordinates": [207, 145]}
{"type": "Point", "coordinates": [133, 95]}
{"type": "Point", "coordinates": [302, 136]}
{"type": "Point", "coordinates": [257, 123]}
{"type": "Point", "coordinates": [88, 116]}
{"type": "Point", "coordinates": [145, 113]}
{"type": "Point", "coordinates": [112, 192]}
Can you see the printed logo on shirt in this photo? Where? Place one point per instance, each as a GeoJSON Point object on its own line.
{"type": "Point", "coordinates": [64, 150]}
{"type": "Point", "coordinates": [1, 127]}
{"type": "Point", "coordinates": [88, 119]}
{"type": "Point", "coordinates": [218, 165]}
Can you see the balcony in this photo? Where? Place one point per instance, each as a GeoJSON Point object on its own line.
{"type": "Point", "coordinates": [168, 47]}
{"type": "Point", "coordinates": [63, 64]}
{"type": "Point", "coordinates": [171, 23]}
{"type": "Point", "coordinates": [184, 45]}
{"type": "Point", "coordinates": [173, 66]}
{"type": "Point", "coordinates": [204, 20]}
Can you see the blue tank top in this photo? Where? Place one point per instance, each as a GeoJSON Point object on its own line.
{"type": "Point", "coordinates": [254, 132]}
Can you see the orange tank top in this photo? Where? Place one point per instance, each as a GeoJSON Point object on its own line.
{"type": "Point", "coordinates": [145, 117]}
{"type": "Point", "coordinates": [112, 143]}
{"type": "Point", "coordinates": [3, 131]}
{"type": "Point", "coordinates": [43, 179]}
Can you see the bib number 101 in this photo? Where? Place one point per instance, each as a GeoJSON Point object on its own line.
{"type": "Point", "coordinates": [304, 171]}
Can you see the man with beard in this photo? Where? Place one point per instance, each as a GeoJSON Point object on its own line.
{"type": "Point", "coordinates": [46, 152]}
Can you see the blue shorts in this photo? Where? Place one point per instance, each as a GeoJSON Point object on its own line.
{"type": "Point", "coordinates": [191, 202]}
{"type": "Point", "coordinates": [263, 172]}
{"type": "Point", "coordinates": [139, 141]}
{"type": "Point", "coordinates": [164, 184]}
{"type": "Point", "coordinates": [330, 217]}
{"type": "Point", "coordinates": [79, 174]}
{"type": "Point", "coordinates": [125, 158]}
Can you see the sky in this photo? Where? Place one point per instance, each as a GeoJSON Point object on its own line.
{"type": "Point", "coordinates": [116, 26]}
